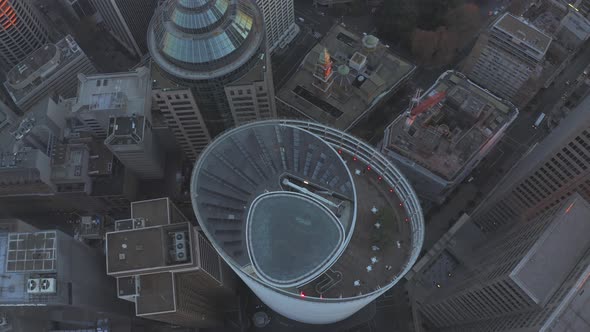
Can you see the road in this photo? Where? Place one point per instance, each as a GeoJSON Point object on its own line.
{"type": "Point", "coordinates": [520, 137]}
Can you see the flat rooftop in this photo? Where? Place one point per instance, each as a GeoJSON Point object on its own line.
{"type": "Point", "coordinates": [142, 248]}
{"type": "Point", "coordinates": [40, 66]}
{"type": "Point", "coordinates": [123, 93]}
{"type": "Point", "coordinates": [363, 74]}
{"type": "Point", "coordinates": [524, 31]}
{"type": "Point", "coordinates": [447, 136]}
{"type": "Point", "coordinates": [157, 293]}
{"type": "Point", "coordinates": [553, 256]}
{"type": "Point", "coordinates": [125, 130]}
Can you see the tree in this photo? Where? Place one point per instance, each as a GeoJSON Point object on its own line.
{"type": "Point", "coordinates": [397, 20]}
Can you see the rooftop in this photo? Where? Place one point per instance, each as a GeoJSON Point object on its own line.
{"type": "Point", "coordinates": [252, 174]}
{"type": "Point", "coordinates": [125, 130]}
{"type": "Point", "coordinates": [447, 136]}
{"type": "Point", "coordinates": [40, 65]}
{"type": "Point", "coordinates": [361, 76]}
{"type": "Point", "coordinates": [553, 256]}
{"type": "Point", "coordinates": [142, 243]}
{"type": "Point", "coordinates": [206, 39]}
{"type": "Point", "coordinates": [523, 31]}
{"type": "Point", "coordinates": [123, 93]}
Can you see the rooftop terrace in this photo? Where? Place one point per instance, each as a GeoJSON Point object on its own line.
{"type": "Point", "coordinates": [364, 71]}
{"type": "Point", "coordinates": [283, 162]}
{"type": "Point", "coordinates": [448, 135]}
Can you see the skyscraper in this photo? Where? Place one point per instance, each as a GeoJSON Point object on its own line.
{"type": "Point", "coordinates": [530, 278]}
{"type": "Point", "coordinates": [117, 107]}
{"type": "Point", "coordinates": [52, 69]}
{"type": "Point", "coordinates": [51, 279]}
{"type": "Point", "coordinates": [279, 22]}
{"type": "Point", "coordinates": [22, 31]}
{"type": "Point", "coordinates": [555, 169]}
{"type": "Point", "coordinates": [317, 223]}
{"type": "Point", "coordinates": [166, 267]}
{"type": "Point", "coordinates": [507, 59]}
{"type": "Point", "coordinates": [217, 49]}
{"type": "Point", "coordinates": [127, 21]}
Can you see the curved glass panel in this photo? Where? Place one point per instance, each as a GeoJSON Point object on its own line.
{"type": "Point", "coordinates": [193, 3]}
{"type": "Point", "coordinates": [200, 20]}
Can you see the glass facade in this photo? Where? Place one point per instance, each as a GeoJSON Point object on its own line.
{"type": "Point", "coordinates": [206, 45]}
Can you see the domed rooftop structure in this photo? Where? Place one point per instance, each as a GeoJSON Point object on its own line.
{"type": "Point", "coordinates": [204, 39]}
{"type": "Point", "coordinates": [317, 223]}
{"type": "Point", "coordinates": [370, 42]}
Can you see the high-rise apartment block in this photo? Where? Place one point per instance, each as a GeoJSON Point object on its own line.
{"type": "Point", "coordinates": [279, 22]}
{"type": "Point", "coordinates": [52, 69]}
{"type": "Point", "coordinates": [508, 59]}
{"type": "Point", "coordinates": [22, 31]}
{"type": "Point", "coordinates": [531, 278]}
{"type": "Point", "coordinates": [555, 169]}
{"type": "Point", "coordinates": [445, 133]}
{"type": "Point", "coordinates": [117, 107]}
{"type": "Point", "coordinates": [127, 21]}
{"type": "Point", "coordinates": [167, 267]}
{"type": "Point", "coordinates": [218, 50]}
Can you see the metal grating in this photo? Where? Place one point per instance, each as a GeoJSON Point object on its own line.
{"type": "Point", "coordinates": [31, 252]}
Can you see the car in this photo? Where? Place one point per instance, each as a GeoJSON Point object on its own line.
{"type": "Point", "coordinates": [568, 83]}
{"type": "Point", "coordinates": [301, 19]}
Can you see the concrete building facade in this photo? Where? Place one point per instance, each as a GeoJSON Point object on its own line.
{"type": "Point", "coordinates": [181, 114]}
{"type": "Point", "coordinates": [279, 22]}
{"type": "Point", "coordinates": [167, 268]}
{"type": "Point", "coordinates": [530, 278]}
{"type": "Point", "coordinates": [117, 107]}
{"type": "Point", "coordinates": [127, 21]}
{"type": "Point", "coordinates": [22, 32]}
{"type": "Point", "coordinates": [50, 70]}
{"type": "Point", "coordinates": [551, 172]}
{"type": "Point", "coordinates": [508, 58]}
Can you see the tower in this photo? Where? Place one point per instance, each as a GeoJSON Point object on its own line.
{"type": "Point", "coordinates": [222, 59]}
{"type": "Point", "coordinates": [127, 21]}
{"type": "Point", "coordinates": [550, 173]}
{"type": "Point", "coordinates": [22, 31]}
{"type": "Point", "coordinates": [323, 72]}
{"type": "Point", "coordinates": [350, 224]}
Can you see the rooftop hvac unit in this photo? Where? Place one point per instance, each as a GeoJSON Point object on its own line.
{"type": "Point", "coordinates": [33, 286]}
{"type": "Point", "coordinates": [179, 246]}
{"type": "Point", "coordinates": [48, 286]}
{"type": "Point", "coordinates": [138, 223]}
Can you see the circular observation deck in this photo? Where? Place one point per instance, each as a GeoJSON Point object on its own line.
{"type": "Point", "coordinates": [204, 39]}
{"type": "Point", "coordinates": [316, 222]}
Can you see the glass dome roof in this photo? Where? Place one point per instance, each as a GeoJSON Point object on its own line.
{"type": "Point", "coordinates": [192, 37]}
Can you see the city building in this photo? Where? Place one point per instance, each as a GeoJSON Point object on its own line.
{"type": "Point", "coordinates": [50, 70]}
{"type": "Point", "coordinates": [317, 223]}
{"type": "Point", "coordinates": [530, 278]}
{"type": "Point", "coordinates": [117, 107]}
{"type": "Point", "coordinates": [582, 6]}
{"type": "Point", "coordinates": [78, 8]}
{"type": "Point", "coordinates": [178, 107]}
{"type": "Point", "coordinates": [445, 133]}
{"type": "Point", "coordinates": [508, 59]}
{"type": "Point", "coordinates": [279, 22]}
{"type": "Point", "coordinates": [343, 78]}
{"type": "Point", "coordinates": [26, 149]}
{"type": "Point", "coordinates": [222, 59]}
{"type": "Point", "coordinates": [167, 267]}
{"type": "Point", "coordinates": [23, 31]}
{"type": "Point", "coordinates": [127, 21]}
{"type": "Point", "coordinates": [52, 281]}
{"type": "Point", "coordinates": [550, 173]}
